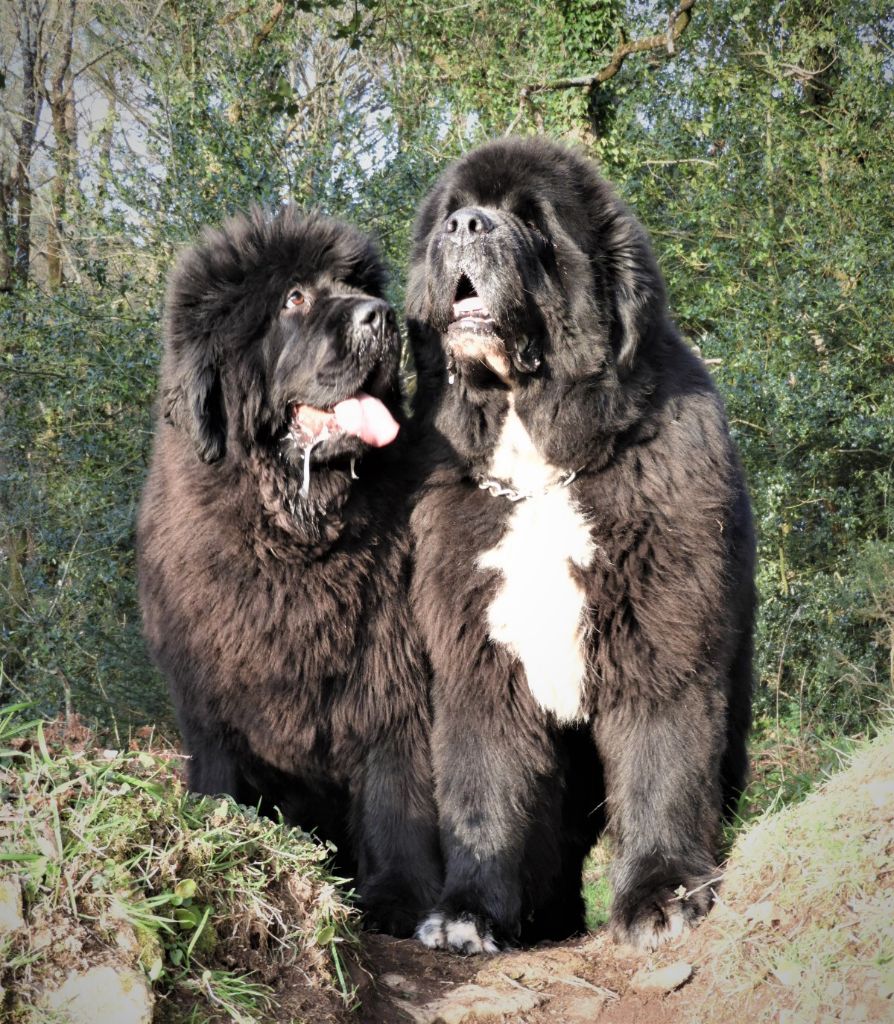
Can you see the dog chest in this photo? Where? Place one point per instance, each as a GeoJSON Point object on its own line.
{"type": "Point", "coordinates": [538, 611]}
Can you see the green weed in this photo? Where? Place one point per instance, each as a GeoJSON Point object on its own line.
{"type": "Point", "coordinates": [207, 898]}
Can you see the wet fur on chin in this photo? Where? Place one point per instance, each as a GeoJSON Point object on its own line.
{"type": "Point", "coordinates": [634, 718]}
{"type": "Point", "coordinates": [281, 624]}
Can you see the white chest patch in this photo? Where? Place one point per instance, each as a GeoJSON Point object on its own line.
{"type": "Point", "coordinates": [538, 611]}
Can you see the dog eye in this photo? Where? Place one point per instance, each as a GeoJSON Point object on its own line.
{"type": "Point", "coordinates": [295, 298]}
{"type": "Point", "coordinates": [534, 227]}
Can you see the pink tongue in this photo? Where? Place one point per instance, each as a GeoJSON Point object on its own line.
{"type": "Point", "coordinates": [367, 418]}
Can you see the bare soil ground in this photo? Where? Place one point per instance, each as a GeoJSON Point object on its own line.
{"type": "Point", "coordinates": [802, 933]}
{"type": "Point", "coordinates": [561, 983]}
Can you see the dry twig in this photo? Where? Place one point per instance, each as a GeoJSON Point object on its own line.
{"type": "Point", "coordinates": [677, 22]}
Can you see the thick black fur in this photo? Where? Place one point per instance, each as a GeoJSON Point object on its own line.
{"type": "Point", "coordinates": [281, 621]}
{"type": "Point", "coordinates": [603, 385]}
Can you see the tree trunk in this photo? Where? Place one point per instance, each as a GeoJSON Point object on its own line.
{"type": "Point", "coordinates": [7, 235]}
{"type": "Point", "coordinates": [59, 93]}
{"type": "Point", "coordinates": [29, 19]}
{"type": "Point", "coordinates": [104, 141]}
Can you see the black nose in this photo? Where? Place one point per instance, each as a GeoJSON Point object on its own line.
{"type": "Point", "coordinates": [374, 324]}
{"type": "Point", "coordinates": [467, 225]}
{"type": "Point", "coordinates": [373, 316]}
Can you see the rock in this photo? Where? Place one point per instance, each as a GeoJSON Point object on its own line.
{"type": "Point", "coordinates": [11, 913]}
{"type": "Point", "coordinates": [400, 984]}
{"type": "Point", "coordinates": [470, 1002]}
{"type": "Point", "coordinates": [665, 979]}
{"type": "Point", "coordinates": [544, 967]}
{"type": "Point", "coordinates": [584, 1010]}
{"type": "Point", "coordinates": [103, 995]}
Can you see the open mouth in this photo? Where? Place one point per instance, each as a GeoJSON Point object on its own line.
{"type": "Point", "coordinates": [470, 313]}
{"type": "Point", "coordinates": [361, 416]}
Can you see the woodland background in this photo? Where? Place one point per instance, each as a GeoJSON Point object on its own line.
{"type": "Point", "coordinates": [754, 139]}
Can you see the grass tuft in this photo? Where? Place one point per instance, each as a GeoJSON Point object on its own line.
{"type": "Point", "coordinates": [117, 863]}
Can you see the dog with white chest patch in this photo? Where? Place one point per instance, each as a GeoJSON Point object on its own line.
{"type": "Point", "coordinates": [584, 560]}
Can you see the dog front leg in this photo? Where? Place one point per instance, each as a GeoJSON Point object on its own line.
{"type": "Point", "coordinates": [662, 769]}
{"type": "Point", "coordinates": [499, 803]}
{"type": "Point", "coordinates": [395, 825]}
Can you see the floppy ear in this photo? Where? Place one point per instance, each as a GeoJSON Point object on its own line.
{"type": "Point", "coordinates": [198, 305]}
{"type": "Point", "coordinates": [192, 400]}
{"type": "Point", "coordinates": [639, 299]}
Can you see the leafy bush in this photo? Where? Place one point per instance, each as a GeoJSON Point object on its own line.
{"type": "Point", "coordinates": [79, 376]}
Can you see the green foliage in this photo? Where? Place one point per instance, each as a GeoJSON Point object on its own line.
{"type": "Point", "coordinates": [246, 104]}
{"type": "Point", "coordinates": [597, 893]}
{"type": "Point", "coordinates": [789, 757]}
{"type": "Point", "coordinates": [78, 375]}
{"type": "Point", "coordinates": [468, 63]}
{"type": "Point", "coordinates": [758, 155]}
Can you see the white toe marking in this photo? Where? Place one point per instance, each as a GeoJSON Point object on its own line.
{"type": "Point", "coordinates": [538, 612]}
{"type": "Point", "coordinates": [652, 937]}
{"type": "Point", "coordinates": [676, 925]}
{"type": "Point", "coordinates": [431, 932]}
{"type": "Point", "coordinates": [463, 935]}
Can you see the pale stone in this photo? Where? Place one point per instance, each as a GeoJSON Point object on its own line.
{"type": "Point", "coordinates": [470, 1002]}
{"type": "Point", "coordinates": [11, 913]}
{"type": "Point", "coordinates": [102, 995]}
{"type": "Point", "coordinates": [665, 979]}
{"type": "Point", "coordinates": [584, 1010]}
{"type": "Point", "coordinates": [399, 983]}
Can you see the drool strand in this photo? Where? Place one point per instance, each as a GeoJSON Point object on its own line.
{"type": "Point", "coordinates": [305, 475]}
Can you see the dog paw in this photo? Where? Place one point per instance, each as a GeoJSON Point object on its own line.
{"type": "Point", "coordinates": [392, 906]}
{"type": "Point", "coordinates": [463, 934]}
{"type": "Point", "coordinates": [397, 921]}
{"type": "Point", "coordinates": [662, 915]}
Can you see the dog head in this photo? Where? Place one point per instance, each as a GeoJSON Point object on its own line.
{"type": "Point", "coordinates": [278, 341]}
{"type": "Point", "coordinates": [525, 262]}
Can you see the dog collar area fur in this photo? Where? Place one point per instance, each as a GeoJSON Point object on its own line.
{"type": "Point", "coordinates": [499, 489]}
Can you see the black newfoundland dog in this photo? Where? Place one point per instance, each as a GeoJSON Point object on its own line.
{"type": "Point", "coordinates": [584, 567]}
{"type": "Point", "coordinates": [274, 553]}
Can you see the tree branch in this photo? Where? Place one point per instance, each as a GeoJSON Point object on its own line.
{"type": "Point", "coordinates": [677, 23]}
{"type": "Point", "coordinates": [268, 26]}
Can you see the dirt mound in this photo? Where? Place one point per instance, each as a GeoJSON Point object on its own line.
{"type": "Point", "coordinates": [802, 933]}
{"type": "Point", "coordinates": [123, 898]}
{"type": "Point", "coordinates": [108, 864]}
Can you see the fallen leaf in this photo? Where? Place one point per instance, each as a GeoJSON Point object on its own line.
{"type": "Point", "coordinates": [788, 972]}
